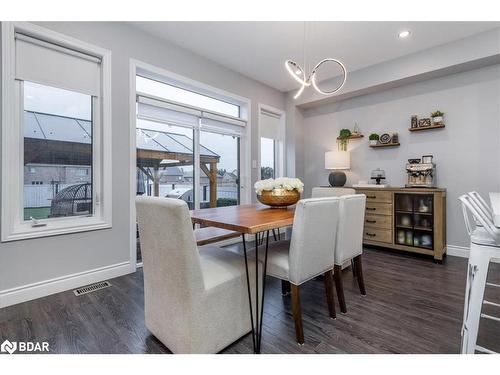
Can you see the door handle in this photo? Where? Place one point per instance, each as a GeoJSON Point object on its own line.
{"type": "Point", "coordinates": [371, 196]}
{"type": "Point", "coordinates": [371, 221]}
{"type": "Point", "coordinates": [371, 208]}
{"type": "Point", "coordinates": [371, 234]}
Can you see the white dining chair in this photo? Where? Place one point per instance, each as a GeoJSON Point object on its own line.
{"type": "Point", "coordinates": [321, 192]}
{"type": "Point", "coordinates": [195, 302]}
{"type": "Point", "coordinates": [308, 254]}
{"type": "Point", "coordinates": [349, 238]}
{"type": "Point", "coordinates": [349, 243]}
{"type": "Point", "coordinates": [484, 247]}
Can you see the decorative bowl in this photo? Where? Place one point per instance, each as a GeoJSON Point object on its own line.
{"type": "Point", "coordinates": [279, 197]}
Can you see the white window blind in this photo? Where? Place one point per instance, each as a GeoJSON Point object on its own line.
{"type": "Point", "coordinates": [160, 111]}
{"type": "Point", "coordinates": [152, 109]}
{"type": "Point", "coordinates": [221, 124]}
{"type": "Point", "coordinates": [270, 126]}
{"type": "Point", "coordinates": [53, 65]}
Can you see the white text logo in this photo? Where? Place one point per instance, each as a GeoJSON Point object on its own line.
{"type": "Point", "coordinates": [24, 346]}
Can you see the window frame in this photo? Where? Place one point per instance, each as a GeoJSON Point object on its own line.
{"type": "Point", "coordinates": [13, 226]}
{"type": "Point", "coordinates": [279, 144]}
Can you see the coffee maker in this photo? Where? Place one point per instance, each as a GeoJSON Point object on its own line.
{"type": "Point", "coordinates": [421, 172]}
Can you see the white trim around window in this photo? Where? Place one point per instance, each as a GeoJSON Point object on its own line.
{"type": "Point", "coordinates": [13, 226]}
{"type": "Point", "coordinates": [278, 136]}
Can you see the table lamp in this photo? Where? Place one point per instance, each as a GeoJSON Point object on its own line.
{"type": "Point", "coordinates": [338, 161]}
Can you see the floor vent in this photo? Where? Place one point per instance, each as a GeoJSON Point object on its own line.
{"type": "Point", "coordinates": [91, 288]}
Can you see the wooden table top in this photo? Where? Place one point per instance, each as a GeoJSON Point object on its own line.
{"type": "Point", "coordinates": [246, 218]}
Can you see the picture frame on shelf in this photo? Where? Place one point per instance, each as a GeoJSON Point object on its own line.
{"type": "Point", "coordinates": [424, 122]}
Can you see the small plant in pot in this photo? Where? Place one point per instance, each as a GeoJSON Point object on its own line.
{"type": "Point", "coordinates": [343, 139]}
{"type": "Point", "coordinates": [373, 139]}
{"type": "Point", "coordinates": [437, 117]}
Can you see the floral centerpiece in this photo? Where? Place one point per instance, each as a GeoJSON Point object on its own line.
{"type": "Point", "coordinates": [279, 192]}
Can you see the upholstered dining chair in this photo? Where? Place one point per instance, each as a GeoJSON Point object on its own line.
{"type": "Point", "coordinates": [349, 242]}
{"type": "Point", "coordinates": [308, 254]}
{"type": "Point", "coordinates": [321, 192]}
{"type": "Point", "coordinates": [195, 302]}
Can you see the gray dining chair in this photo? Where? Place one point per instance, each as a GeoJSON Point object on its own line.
{"type": "Point", "coordinates": [308, 254]}
{"type": "Point", "coordinates": [195, 302]}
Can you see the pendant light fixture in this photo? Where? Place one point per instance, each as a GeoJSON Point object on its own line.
{"type": "Point", "coordinates": [299, 74]}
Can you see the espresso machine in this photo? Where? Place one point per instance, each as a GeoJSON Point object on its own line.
{"type": "Point", "coordinates": [421, 172]}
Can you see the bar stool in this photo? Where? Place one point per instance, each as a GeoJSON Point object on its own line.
{"type": "Point", "coordinates": [484, 246]}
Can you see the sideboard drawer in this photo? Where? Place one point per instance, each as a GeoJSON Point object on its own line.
{"type": "Point", "coordinates": [377, 196]}
{"type": "Point", "coordinates": [378, 221]}
{"type": "Point", "coordinates": [378, 208]}
{"type": "Point", "coordinates": [379, 235]}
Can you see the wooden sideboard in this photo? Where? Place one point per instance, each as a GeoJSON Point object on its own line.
{"type": "Point", "coordinates": [407, 219]}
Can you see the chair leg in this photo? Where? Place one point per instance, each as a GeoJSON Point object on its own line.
{"type": "Point", "coordinates": [285, 288]}
{"type": "Point", "coordinates": [330, 298]}
{"type": "Point", "coordinates": [476, 281]}
{"type": "Point", "coordinates": [274, 235]}
{"type": "Point", "coordinates": [297, 314]}
{"type": "Point", "coordinates": [359, 274]}
{"type": "Point", "coordinates": [353, 268]}
{"type": "Point", "coordinates": [337, 276]}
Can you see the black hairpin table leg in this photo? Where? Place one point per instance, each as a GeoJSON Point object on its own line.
{"type": "Point", "coordinates": [257, 327]}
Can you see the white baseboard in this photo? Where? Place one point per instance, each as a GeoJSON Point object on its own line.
{"type": "Point", "coordinates": [44, 288]}
{"type": "Point", "coordinates": [457, 251]}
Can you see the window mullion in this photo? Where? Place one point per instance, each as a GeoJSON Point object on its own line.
{"type": "Point", "coordinates": [196, 164]}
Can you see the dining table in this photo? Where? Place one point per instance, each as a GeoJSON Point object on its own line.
{"type": "Point", "coordinates": [253, 220]}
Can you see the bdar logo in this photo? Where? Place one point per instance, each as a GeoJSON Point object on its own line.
{"type": "Point", "coordinates": [9, 347]}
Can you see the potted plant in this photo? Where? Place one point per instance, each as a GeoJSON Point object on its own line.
{"type": "Point", "coordinates": [343, 139]}
{"type": "Point", "coordinates": [437, 117]}
{"type": "Point", "coordinates": [373, 139]}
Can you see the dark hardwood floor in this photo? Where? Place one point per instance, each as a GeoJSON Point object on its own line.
{"type": "Point", "coordinates": [412, 306]}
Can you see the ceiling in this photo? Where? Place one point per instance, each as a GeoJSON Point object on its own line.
{"type": "Point", "coordinates": [259, 49]}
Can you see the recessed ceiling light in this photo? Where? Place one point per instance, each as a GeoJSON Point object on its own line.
{"type": "Point", "coordinates": [404, 34]}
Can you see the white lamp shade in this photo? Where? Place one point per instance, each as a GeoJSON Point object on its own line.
{"type": "Point", "coordinates": [337, 160]}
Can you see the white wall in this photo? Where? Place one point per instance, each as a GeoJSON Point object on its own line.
{"type": "Point", "coordinates": [467, 151]}
{"type": "Point", "coordinates": [54, 258]}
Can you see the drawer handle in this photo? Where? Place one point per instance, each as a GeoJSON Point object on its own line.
{"type": "Point", "coordinates": [371, 222]}
{"type": "Point", "coordinates": [371, 208]}
{"type": "Point", "coordinates": [371, 234]}
{"type": "Point", "coordinates": [371, 196]}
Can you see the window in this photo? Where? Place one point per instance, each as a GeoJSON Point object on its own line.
{"type": "Point", "coordinates": [190, 146]}
{"type": "Point", "coordinates": [267, 162]}
{"type": "Point", "coordinates": [56, 175]}
{"type": "Point", "coordinates": [219, 169]}
{"type": "Point", "coordinates": [271, 128]}
{"type": "Point", "coordinates": [197, 150]}
{"type": "Point", "coordinates": [57, 128]}
{"type": "Point", "coordinates": [171, 173]}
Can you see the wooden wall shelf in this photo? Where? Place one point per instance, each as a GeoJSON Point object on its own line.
{"type": "Point", "coordinates": [353, 136]}
{"type": "Point", "coordinates": [386, 145]}
{"type": "Point", "coordinates": [440, 126]}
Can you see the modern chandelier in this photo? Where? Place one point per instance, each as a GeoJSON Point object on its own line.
{"type": "Point", "coordinates": [298, 73]}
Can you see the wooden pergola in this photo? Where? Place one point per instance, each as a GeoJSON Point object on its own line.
{"type": "Point", "coordinates": [150, 163]}
{"type": "Point", "coordinates": [59, 140]}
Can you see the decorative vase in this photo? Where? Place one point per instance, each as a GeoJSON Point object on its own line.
{"type": "Point", "coordinates": [279, 197]}
{"type": "Point", "coordinates": [373, 142]}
